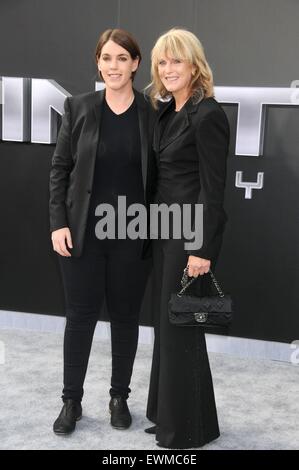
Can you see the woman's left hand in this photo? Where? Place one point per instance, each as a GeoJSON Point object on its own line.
{"type": "Point", "coordinates": [198, 266]}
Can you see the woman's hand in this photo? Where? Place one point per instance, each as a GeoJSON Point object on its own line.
{"type": "Point", "coordinates": [198, 266]}
{"type": "Point", "coordinates": [58, 240]}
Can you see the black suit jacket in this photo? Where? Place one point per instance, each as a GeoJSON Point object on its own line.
{"type": "Point", "coordinates": [72, 171]}
{"type": "Point", "coordinates": [192, 156]}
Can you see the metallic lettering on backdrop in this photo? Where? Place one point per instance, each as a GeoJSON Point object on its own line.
{"type": "Point", "coordinates": [252, 102]}
{"type": "Point", "coordinates": [48, 94]}
{"type": "Point", "coordinates": [43, 99]}
{"type": "Point", "coordinates": [249, 185]}
{"type": "Point", "coordinates": [47, 98]}
{"type": "Point", "coordinates": [15, 109]}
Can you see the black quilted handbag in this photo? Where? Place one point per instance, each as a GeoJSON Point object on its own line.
{"type": "Point", "coordinates": [190, 310]}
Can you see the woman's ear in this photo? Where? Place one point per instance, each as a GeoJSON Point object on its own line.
{"type": "Point", "coordinates": [135, 64]}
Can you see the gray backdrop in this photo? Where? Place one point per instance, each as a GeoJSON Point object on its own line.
{"type": "Point", "coordinates": [247, 43]}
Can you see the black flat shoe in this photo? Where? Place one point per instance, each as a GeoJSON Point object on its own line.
{"type": "Point", "coordinates": [120, 414]}
{"type": "Point", "coordinates": [66, 422]}
{"type": "Point", "coordinates": [151, 430]}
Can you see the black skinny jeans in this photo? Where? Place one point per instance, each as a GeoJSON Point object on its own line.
{"type": "Point", "coordinates": [106, 268]}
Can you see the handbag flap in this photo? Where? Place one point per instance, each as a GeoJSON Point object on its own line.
{"type": "Point", "coordinates": [190, 303]}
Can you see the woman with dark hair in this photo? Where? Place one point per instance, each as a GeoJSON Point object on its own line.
{"type": "Point", "coordinates": [103, 151]}
{"type": "Point", "coordinates": [191, 139]}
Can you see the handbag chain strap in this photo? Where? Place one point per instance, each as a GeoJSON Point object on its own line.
{"type": "Point", "coordinates": [186, 283]}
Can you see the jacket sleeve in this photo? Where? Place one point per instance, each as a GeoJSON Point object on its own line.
{"type": "Point", "coordinates": [212, 142]}
{"type": "Point", "coordinates": [62, 163]}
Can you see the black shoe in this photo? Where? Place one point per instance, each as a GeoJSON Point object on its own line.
{"type": "Point", "coordinates": [120, 414]}
{"type": "Point", "coordinates": [71, 413]}
{"type": "Point", "coordinates": [151, 430]}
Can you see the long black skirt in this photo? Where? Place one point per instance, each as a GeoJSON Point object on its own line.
{"type": "Point", "coordinates": [181, 397]}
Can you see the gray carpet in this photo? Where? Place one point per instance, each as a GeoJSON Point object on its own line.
{"type": "Point", "coordinates": [257, 400]}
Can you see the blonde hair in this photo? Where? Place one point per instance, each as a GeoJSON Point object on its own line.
{"type": "Point", "coordinates": [184, 45]}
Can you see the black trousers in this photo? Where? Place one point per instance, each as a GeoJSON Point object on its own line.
{"type": "Point", "coordinates": [181, 397]}
{"type": "Point", "coordinates": [106, 268]}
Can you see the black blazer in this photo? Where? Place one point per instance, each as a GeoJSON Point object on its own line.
{"type": "Point", "coordinates": [192, 155]}
{"type": "Point", "coordinates": [72, 171]}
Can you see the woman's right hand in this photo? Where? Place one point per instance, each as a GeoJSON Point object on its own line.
{"type": "Point", "coordinates": [61, 240]}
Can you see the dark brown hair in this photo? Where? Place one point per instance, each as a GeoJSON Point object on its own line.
{"type": "Point", "coordinates": [122, 38]}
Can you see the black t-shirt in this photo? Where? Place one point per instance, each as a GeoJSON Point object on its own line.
{"type": "Point", "coordinates": [118, 162]}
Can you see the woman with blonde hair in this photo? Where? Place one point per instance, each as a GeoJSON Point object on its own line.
{"type": "Point", "coordinates": [191, 139]}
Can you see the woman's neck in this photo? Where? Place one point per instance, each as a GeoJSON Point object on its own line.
{"type": "Point", "coordinates": [181, 97]}
{"type": "Point", "coordinates": [119, 100]}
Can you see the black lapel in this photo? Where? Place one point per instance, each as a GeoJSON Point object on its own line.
{"type": "Point", "coordinates": [143, 127]}
{"type": "Point", "coordinates": [98, 107]}
{"type": "Point", "coordinates": [178, 125]}
{"type": "Point", "coordinates": [163, 107]}
{"type": "Point", "coordinates": [93, 126]}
